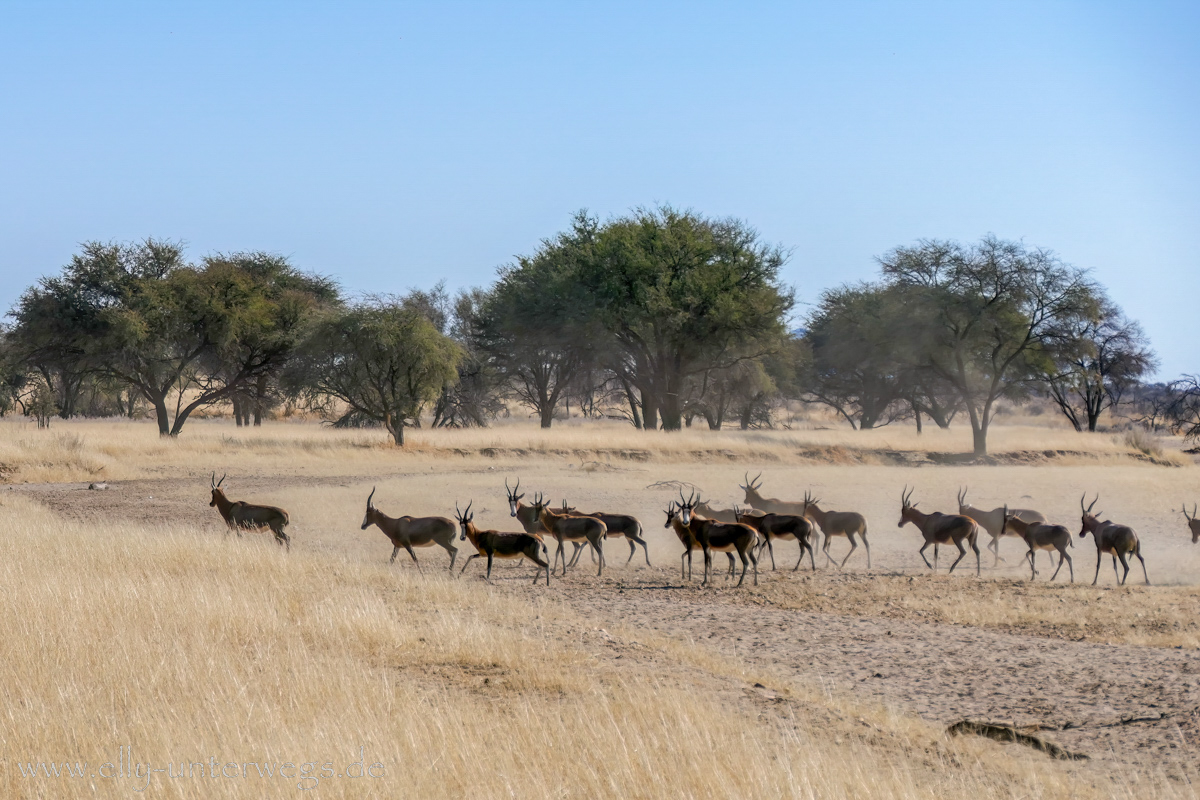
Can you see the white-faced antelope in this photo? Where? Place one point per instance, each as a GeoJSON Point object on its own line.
{"type": "Point", "coordinates": [993, 521]}
{"type": "Point", "coordinates": [751, 487]}
{"type": "Point", "coordinates": [1043, 536]}
{"type": "Point", "coordinates": [241, 516]}
{"type": "Point", "coordinates": [722, 537]}
{"type": "Point", "coordinates": [784, 527]}
{"type": "Point", "coordinates": [1116, 540]}
{"type": "Point", "coordinates": [838, 523]}
{"type": "Point", "coordinates": [565, 528]}
{"type": "Point", "coordinates": [495, 544]}
{"type": "Point", "coordinates": [938, 529]}
{"type": "Point", "coordinates": [688, 540]}
{"type": "Point", "coordinates": [1193, 523]}
{"type": "Point", "coordinates": [409, 532]}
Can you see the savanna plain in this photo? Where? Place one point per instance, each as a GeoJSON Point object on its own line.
{"type": "Point", "coordinates": [134, 619]}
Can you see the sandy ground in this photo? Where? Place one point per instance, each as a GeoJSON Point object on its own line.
{"type": "Point", "coordinates": [1114, 701]}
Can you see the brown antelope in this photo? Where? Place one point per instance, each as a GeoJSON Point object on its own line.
{"type": "Point", "coordinates": [782, 526]}
{"type": "Point", "coordinates": [938, 529]}
{"type": "Point", "coordinates": [1193, 523]}
{"type": "Point", "coordinates": [1042, 536]}
{"type": "Point", "coordinates": [241, 516]}
{"type": "Point", "coordinates": [528, 516]}
{"type": "Point", "coordinates": [719, 514]}
{"type": "Point", "coordinates": [566, 528]}
{"type": "Point", "coordinates": [1111, 538]}
{"type": "Point", "coordinates": [688, 541]}
{"type": "Point", "coordinates": [409, 532]}
{"type": "Point", "coordinates": [617, 525]}
{"type": "Point", "coordinates": [494, 544]}
{"type": "Point", "coordinates": [838, 523]}
{"type": "Point", "coordinates": [722, 537]}
{"type": "Point", "coordinates": [993, 522]}
{"type": "Point", "coordinates": [755, 499]}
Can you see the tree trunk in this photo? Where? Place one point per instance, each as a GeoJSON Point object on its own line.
{"type": "Point", "coordinates": [979, 438]}
{"type": "Point", "coordinates": [237, 410]}
{"type": "Point", "coordinates": [398, 435]}
{"type": "Point", "coordinates": [649, 411]}
{"type": "Point", "coordinates": [161, 414]}
{"type": "Point", "coordinates": [260, 393]}
{"type": "Point", "coordinates": [547, 415]}
{"type": "Point", "coordinates": [672, 414]}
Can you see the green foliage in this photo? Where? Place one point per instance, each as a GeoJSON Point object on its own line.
{"type": "Point", "coordinates": [383, 359]}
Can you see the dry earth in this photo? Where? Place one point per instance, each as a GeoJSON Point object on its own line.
{"type": "Point", "coordinates": [1070, 660]}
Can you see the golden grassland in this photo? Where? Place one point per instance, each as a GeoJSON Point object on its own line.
{"type": "Point", "coordinates": [88, 450]}
{"type": "Point", "coordinates": [186, 647]}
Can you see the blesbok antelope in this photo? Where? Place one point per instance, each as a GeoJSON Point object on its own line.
{"type": "Point", "coordinates": [241, 516]}
{"type": "Point", "coordinates": [1193, 523]}
{"type": "Point", "coordinates": [617, 525]}
{"type": "Point", "coordinates": [722, 537]}
{"type": "Point", "coordinates": [993, 521]}
{"type": "Point", "coordinates": [688, 541]}
{"type": "Point", "coordinates": [1116, 540]}
{"type": "Point", "coordinates": [495, 544]}
{"type": "Point", "coordinates": [838, 523]}
{"type": "Point", "coordinates": [782, 526]}
{"type": "Point", "coordinates": [1042, 536]}
{"type": "Point", "coordinates": [409, 532]}
{"type": "Point", "coordinates": [565, 528]}
{"type": "Point", "coordinates": [938, 529]}
{"type": "Point", "coordinates": [771, 504]}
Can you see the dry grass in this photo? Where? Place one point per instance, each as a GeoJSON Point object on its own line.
{"type": "Point", "coordinates": [186, 646]}
{"type": "Point", "coordinates": [86, 450]}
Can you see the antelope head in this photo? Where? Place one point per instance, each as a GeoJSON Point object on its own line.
{"type": "Point", "coordinates": [464, 518]}
{"type": "Point", "coordinates": [370, 509]}
{"type": "Point", "coordinates": [751, 487]}
{"type": "Point", "coordinates": [216, 488]}
{"type": "Point", "coordinates": [687, 506]}
{"type": "Point", "coordinates": [1090, 520]}
{"type": "Point", "coordinates": [514, 499]}
{"type": "Point", "coordinates": [670, 511]}
{"type": "Point", "coordinates": [906, 506]}
{"type": "Point", "coordinates": [539, 504]}
{"type": "Point", "coordinates": [809, 500]}
{"type": "Point", "coordinates": [566, 509]}
{"type": "Point", "coordinates": [1193, 523]}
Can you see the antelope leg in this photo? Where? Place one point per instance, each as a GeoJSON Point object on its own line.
{"type": "Point", "coordinates": [923, 558]}
{"type": "Point", "coordinates": [853, 547]}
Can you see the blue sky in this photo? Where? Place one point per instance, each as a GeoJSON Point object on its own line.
{"type": "Point", "coordinates": [395, 144]}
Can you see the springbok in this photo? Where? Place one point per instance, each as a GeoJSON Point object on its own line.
{"type": "Point", "coordinates": [617, 525]}
{"type": "Point", "coordinates": [782, 526]}
{"type": "Point", "coordinates": [241, 516]}
{"type": "Point", "coordinates": [1042, 536]}
{"type": "Point", "coordinates": [1111, 538]}
{"type": "Point", "coordinates": [993, 521]}
{"type": "Point", "coordinates": [1193, 523]}
{"type": "Point", "coordinates": [722, 537]}
{"type": "Point", "coordinates": [755, 499]}
{"type": "Point", "coordinates": [566, 528]}
{"type": "Point", "coordinates": [409, 532]}
{"type": "Point", "coordinates": [838, 523]}
{"type": "Point", "coordinates": [938, 529]}
{"type": "Point", "coordinates": [494, 544]}
{"type": "Point", "coordinates": [688, 541]}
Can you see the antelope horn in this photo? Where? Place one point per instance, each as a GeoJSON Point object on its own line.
{"type": "Point", "coordinates": [746, 478]}
{"type": "Point", "coordinates": [468, 508]}
{"type": "Point", "coordinates": [1092, 504]}
{"type": "Point", "coordinates": [213, 480]}
{"type": "Point", "coordinates": [372, 494]}
{"type": "Point", "coordinates": [962, 495]}
{"type": "Point", "coordinates": [510, 491]}
{"type": "Point", "coordinates": [223, 475]}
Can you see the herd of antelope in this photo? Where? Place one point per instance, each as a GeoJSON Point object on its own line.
{"type": "Point", "coordinates": [745, 531]}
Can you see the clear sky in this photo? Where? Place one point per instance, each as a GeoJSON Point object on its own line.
{"type": "Point", "coordinates": [395, 144]}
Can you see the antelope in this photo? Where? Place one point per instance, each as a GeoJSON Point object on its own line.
{"type": "Point", "coordinates": [755, 499]}
{"type": "Point", "coordinates": [240, 516]}
{"type": "Point", "coordinates": [838, 523]}
{"type": "Point", "coordinates": [617, 525]}
{"type": "Point", "coordinates": [719, 514]}
{"type": "Point", "coordinates": [566, 528]}
{"type": "Point", "coordinates": [720, 536]}
{"type": "Point", "coordinates": [1192, 522]}
{"type": "Point", "coordinates": [494, 544]}
{"type": "Point", "coordinates": [1042, 536]}
{"type": "Point", "coordinates": [528, 516]}
{"type": "Point", "coordinates": [993, 521]}
{"type": "Point", "coordinates": [688, 540]}
{"type": "Point", "coordinates": [782, 526]}
{"type": "Point", "coordinates": [940, 529]}
{"type": "Point", "coordinates": [1111, 538]}
{"type": "Point", "coordinates": [409, 532]}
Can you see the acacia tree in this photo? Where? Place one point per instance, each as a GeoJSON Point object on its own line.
{"type": "Point", "coordinates": [989, 314]}
{"type": "Point", "coordinates": [537, 324]}
{"type": "Point", "coordinates": [1103, 355]}
{"type": "Point", "coordinates": [680, 295]}
{"type": "Point", "coordinates": [383, 359]}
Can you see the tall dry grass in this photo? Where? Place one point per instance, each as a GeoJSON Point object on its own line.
{"type": "Point", "coordinates": [188, 646]}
